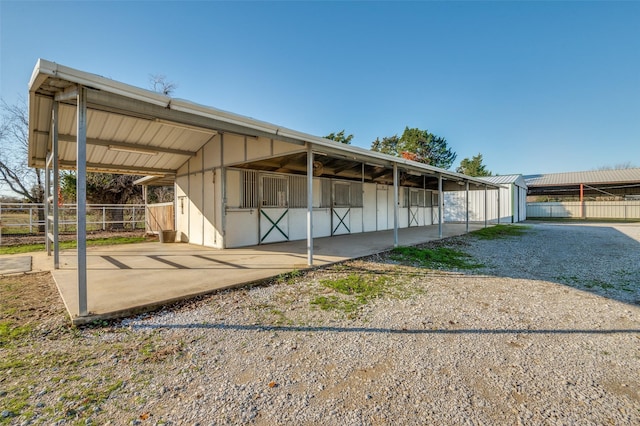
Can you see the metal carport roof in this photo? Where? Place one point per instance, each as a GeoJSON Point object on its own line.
{"type": "Point", "coordinates": [137, 131]}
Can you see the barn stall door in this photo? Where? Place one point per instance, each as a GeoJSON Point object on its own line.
{"type": "Point", "coordinates": [381, 207]}
{"type": "Point", "coordinates": [414, 207]}
{"type": "Point", "coordinates": [274, 209]}
{"type": "Point", "coordinates": [341, 211]}
{"type": "Point", "coordinates": [435, 207]}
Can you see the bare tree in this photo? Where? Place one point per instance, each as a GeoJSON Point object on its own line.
{"type": "Point", "coordinates": [619, 166]}
{"type": "Point", "coordinates": [159, 83]}
{"type": "Point", "coordinates": [14, 141]}
{"type": "Point", "coordinates": [27, 183]}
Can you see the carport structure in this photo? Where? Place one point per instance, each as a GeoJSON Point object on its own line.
{"type": "Point", "coordinates": [231, 173]}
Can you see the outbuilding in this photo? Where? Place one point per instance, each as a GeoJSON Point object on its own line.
{"type": "Point", "coordinates": [511, 201]}
{"type": "Point", "coordinates": [238, 181]}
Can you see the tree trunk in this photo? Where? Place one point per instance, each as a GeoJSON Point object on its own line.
{"type": "Point", "coordinates": [41, 218]}
{"type": "Point", "coordinates": [116, 215]}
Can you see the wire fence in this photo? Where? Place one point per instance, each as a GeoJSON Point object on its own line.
{"type": "Point", "coordinates": [17, 219]}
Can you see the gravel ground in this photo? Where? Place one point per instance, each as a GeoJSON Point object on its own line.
{"type": "Point", "coordinates": [547, 332]}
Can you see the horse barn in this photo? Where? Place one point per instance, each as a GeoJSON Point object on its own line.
{"type": "Point", "coordinates": [238, 181]}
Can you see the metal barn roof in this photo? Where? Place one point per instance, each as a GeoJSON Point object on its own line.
{"type": "Point", "coordinates": [137, 131]}
{"type": "Point", "coordinates": [619, 183]}
{"type": "Point", "coordinates": [588, 177]}
{"type": "Point", "coordinates": [517, 180]}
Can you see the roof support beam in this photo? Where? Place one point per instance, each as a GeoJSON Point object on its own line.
{"type": "Point", "coordinates": [70, 93]}
{"type": "Point", "coordinates": [111, 168]}
{"type": "Point", "coordinates": [125, 145]}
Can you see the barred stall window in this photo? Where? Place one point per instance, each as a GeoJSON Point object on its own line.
{"type": "Point", "coordinates": [298, 192]}
{"type": "Point", "coordinates": [342, 194]}
{"type": "Point", "coordinates": [249, 187]}
{"type": "Point", "coordinates": [325, 196]}
{"type": "Point", "coordinates": [356, 194]}
{"type": "Point", "coordinates": [274, 191]}
{"type": "Point", "coordinates": [405, 196]}
{"type": "Point", "coordinates": [428, 199]}
{"type": "Point", "coordinates": [415, 198]}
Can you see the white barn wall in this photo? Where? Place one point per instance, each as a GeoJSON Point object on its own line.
{"type": "Point", "coordinates": [182, 208]}
{"type": "Point", "coordinates": [511, 209]}
{"type": "Point", "coordinates": [208, 210]}
{"type": "Point", "coordinates": [195, 209]}
{"type": "Point", "coordinates": [369, 203]}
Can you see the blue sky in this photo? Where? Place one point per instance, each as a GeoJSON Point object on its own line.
{"type": "Point", "coordinates": [536, 87]}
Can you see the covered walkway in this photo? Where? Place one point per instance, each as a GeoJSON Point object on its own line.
{"type": "Point", "coordinates": [127, 279]}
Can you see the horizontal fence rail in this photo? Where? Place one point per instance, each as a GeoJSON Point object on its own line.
{"type": "Point", "coordinates": [585, 210]}
{"type": "Point", "coordinates": [29, 218]}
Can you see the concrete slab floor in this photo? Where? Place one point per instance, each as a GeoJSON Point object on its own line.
{"type": "Point", "coordinates": [128, 279]}
{"type": "Point", "coordinates": [14, 264]}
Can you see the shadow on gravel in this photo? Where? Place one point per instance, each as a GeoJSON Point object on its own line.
{"type": "Point", "coordinates": [328, 329]}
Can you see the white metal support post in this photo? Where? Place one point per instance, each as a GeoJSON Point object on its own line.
{"type": "Point", "coordinates": [466, 202]}
{"type": "Point", "coordinates": [223, 194]}
{"type": "Point", "coordinates": [498, 205]}
{"type": "Point", "coordinates": [309, 205]}
{"type": "Point", "coordinates": [486, 211]}
{"type": "Point", "coordinates": [56, 186]}
{"type": "Point", "coordinates": [47, 203]}
{"type": "Point", "coordinates": [81, 194]}
{"type": "Point", "coordinates": [396, 212]}
{"type": "Point", "coordinates": [440, 205]}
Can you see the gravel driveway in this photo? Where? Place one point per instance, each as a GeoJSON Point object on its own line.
{"type": "Point", "coordinates": [547, 332]}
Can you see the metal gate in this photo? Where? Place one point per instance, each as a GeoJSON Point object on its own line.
{"type": "Point", "coordinates": [341, 211]}
{"type": "Point", "coordinates": [274, 209]}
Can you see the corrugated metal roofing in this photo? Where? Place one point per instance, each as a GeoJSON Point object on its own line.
{"type": "Point", "coordinates": [133, 130]}
{"type": "Point", "coordinates": [591, 177]}
{"type": "Point", "coordinates": [506, 180]}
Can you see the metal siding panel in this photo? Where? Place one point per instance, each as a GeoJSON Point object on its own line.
{"type": "Point", "coordinates": [195, 209]}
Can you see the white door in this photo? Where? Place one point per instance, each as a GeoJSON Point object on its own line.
{"type": "Point", "coordinates": [381, 207]}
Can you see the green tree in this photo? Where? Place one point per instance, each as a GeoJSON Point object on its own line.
{"type": "Point", "coordinates": [473, 167]}
{"type": "Point", "coordinates": [418, 145]}
{"type": "Point", "coordinates": [105, 188]}
{"type": "Point", "coordinates": [340, 137]}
